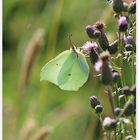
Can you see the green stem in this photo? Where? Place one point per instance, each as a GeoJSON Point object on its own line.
{"type": "Point", "coordinates": [111, 101]}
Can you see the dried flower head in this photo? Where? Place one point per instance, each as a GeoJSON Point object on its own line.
{"type": "Point", "coordinates": [104, 56]}
{"type": "Point", "coordinates": [99, 25]}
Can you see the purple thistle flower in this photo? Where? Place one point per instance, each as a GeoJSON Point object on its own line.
{"type": "Point", "coordinates": [123, 24]}
{"type": "Point", "coordinates": [88, 46]}
{"type": "Point", "coordinates": [109, 123]}
{"type": "Point", "coordinates": [128, 40]}
{"type": "Point", "coordinates": [98, 66]}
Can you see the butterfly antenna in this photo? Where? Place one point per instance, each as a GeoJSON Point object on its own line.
{"type": "Point", "coordinates": [71, 44]}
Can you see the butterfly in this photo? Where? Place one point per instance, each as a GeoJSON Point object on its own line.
{"type": "Point", "coordinates": [69, 70]}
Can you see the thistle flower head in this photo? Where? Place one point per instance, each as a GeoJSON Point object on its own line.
{"type": "Point", "coordinates": [98, 65]}
{"type": "Point", "coordinates": [123, 23]}
{"type": "Point", "coordinates": [109, 124]}
{"type": "Point", "coordinates": [88, 46]}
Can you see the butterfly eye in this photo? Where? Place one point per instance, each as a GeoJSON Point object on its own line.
{"type": "Point", "coordinates": [69, 74]}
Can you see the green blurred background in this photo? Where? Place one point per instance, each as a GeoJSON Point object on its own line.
{"type": "Point", "coordinates": [35, 31]}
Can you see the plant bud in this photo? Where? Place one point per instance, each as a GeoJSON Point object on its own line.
{"type": "Point", "coordinates": [103, 41]}
{"type": "Point", "coordinates": [125, 7]}
{"type": "Point", "coordinates": [123, 24]}
{"type": "Point", "coordinates": [113, 47]}
{"type": "Point", "coordinates": [94, 56]}
{"type": "Point", "coordinates": [118, 6]}
{"type": "Point", "coordinates": [117, 111]}
{"type": "Point", "coordinates": [97, 34]}
{"type": "Point", "coordinates": [129, 40]}
{"type": "Point", "coordinates": [128, 47]}
{"type": "Point", "coordinates": [94, 101]}
{"type": "Point", "coordinates": [132, 7]}
{"type": "Point", "coordinates": [98, 109]}
{"type": "Point", "coordinates": [133, 90]}
{"type": "Point", "coordinates": [129, 108]}
{"type": "Point", "coordinates": [90, 31]}
{"type": "Point", "coordinates": [129, 137]}
{"type": "Point", "coordinates": [115, 76]}
{"type": "Point", "coordinates": [109, 124]}
{"type": "Point", "coordinates": [126, 91]}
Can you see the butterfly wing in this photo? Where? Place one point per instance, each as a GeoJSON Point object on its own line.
{"type": "Point", "coordinates": [74, 72]}
{"type": "Point", "coordinates": [51, 70]}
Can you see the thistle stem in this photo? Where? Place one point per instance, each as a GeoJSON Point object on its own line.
{"type": "Point", "coordinates": [111, 101]}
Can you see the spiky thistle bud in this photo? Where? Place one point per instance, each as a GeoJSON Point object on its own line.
{"type": "Point", "coordinates": [129, 137]}
{"type": "Point", "coordinates": [109, 124]}
{"type": "Point", "coordinates": [117, 111]}
{"type": "Point", "coordinates": [94, 55]}
{"type": "Point", "coordinates": [98, 109]}
{"type": "Point", "coordinates": [116, 76]}
{"type": "Point", "coordinates": [118, 6]}
{"type": "Point", "coordinates": [130, 43]}
{"type": "Point", "coordinates": [132, 7]}
{"type": "Point", "coordinates": [113, 47]}
{"type": "Point", "coordinates": [123, 24]}
{"type": "Point", "coordinates": [94, 101]}
{"type": "Point", "coordinates": [129, 47]}
{"type": "Point", "coordinates": [129, 40]}
{"type": "Point", "coordinates": [129, 108]}
{"type": "Point", "coordinates": [92, 32]}
{"type": "Point", "coordinates": [125, 7]}
{"type": "Point", "coordinates": [126, 91]}
{"type": "Point", "coordinates": [133, 90]}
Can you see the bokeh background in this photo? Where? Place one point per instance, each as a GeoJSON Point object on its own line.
{"type": "Point", "coordinates": [35, 31]}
